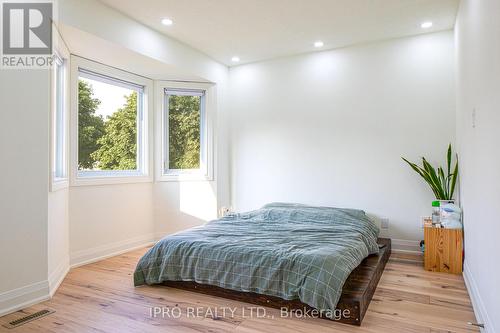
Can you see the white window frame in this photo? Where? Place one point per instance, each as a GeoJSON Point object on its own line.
{"type": "Point", "coordinates": [59, 119]}
{"type": "Point", "coordinates": [105, 177]}
{"type": "Point", "coordinates": [205, 172]}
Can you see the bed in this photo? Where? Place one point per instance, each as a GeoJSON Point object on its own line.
{"type": "Point", "coordinates": [282, 255]}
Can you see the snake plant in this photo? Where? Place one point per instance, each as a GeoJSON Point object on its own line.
{"type": "Point", "coordinates": [443, 185]}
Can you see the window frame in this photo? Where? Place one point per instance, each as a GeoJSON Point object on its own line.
{"type": "Point", "coordinates": [205, 172]}
{"type": "Point", "coordinates": [117, 76]}
{"type": "Point", "coordinates": [59, 120]}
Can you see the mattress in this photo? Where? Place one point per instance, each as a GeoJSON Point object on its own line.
{"type": "Point", "coordinates": [286, 250]}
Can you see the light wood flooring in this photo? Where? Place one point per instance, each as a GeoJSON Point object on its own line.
{"type": "Point", "coordinates": [100, 297]}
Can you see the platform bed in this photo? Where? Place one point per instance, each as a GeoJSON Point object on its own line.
{"type": "Point", "coordinates": [357, 291]}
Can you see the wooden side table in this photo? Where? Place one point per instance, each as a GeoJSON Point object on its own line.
{"type": "Point", "coordinates": [443, 250]}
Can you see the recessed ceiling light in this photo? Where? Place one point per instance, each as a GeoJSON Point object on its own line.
{"type": "Point", "coordinates": [235, 59]}
{"type": "Point", "coordinates": [426, 25]}
{"type": "Point", "coordinates": [318, 43]}
{"type": "Point", "coordinates": [167, 21]}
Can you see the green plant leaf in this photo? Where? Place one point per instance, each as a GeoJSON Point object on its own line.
{"type": "Point", "coordinates": [454, 179]}
{"type": "Point", "coordinates": [416, 168]}
{"type": "Point", "coordinates": [425, 175]}
{"type": "Point", "coordinates": [441, 184]}
{"type": "Point", "coordinates": [448, 158]}
{"type": "Point", "coordinates": [444, 182]}
{"type": "Point", "coordinates": [435, 179]}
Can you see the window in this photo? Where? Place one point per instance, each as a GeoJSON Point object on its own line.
{"type": "Point", "coordinates": [112, 126]}
{"type": "Point", "coordinates": [59, 168]}
{"type": "Point", "coordinates": [59, 127]}
{"type": "Point", "coordinates": [185, 113]}
{"type": "Point", "coordinates": [185, 132]}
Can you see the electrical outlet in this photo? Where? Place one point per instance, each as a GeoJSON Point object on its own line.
{"type": "Point", "coordinates": [384, 223]}
{"type": "Point", "coordinates": [224, 211]}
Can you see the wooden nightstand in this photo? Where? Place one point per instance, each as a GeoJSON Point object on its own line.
{"type": "Point", "coordinates": [443, 250]}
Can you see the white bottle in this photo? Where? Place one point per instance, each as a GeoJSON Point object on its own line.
{"type": "Point", "coordinates": [436, 214]}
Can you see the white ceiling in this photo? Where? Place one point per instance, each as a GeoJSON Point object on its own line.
{"type": "Point", "coordinates": [262, 29]}
{"type": "Point", "coordinates": [89, 46]}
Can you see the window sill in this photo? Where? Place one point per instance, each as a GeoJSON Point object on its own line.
{"type": "Point", "coordinates": [58, 184]}
{"type": "Point", "coordinates": [181, 177]}
{"type": "Point", "coordinates": [109, 178]}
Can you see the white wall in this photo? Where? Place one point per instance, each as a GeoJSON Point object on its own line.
{"type": "Point", "coordinates": [100, 20]}
{"type": "Point", "coordinates": [181, 205]}
{"type": "Point", "coordinates": [58, 237]}
{"type": "Point", "coordinates": [105, 219]}
{"type": "Point", "coordinates": [329, 128]}
{"type": "Point", "coordinates": [100, 220]}
{"type": "Point", "coordinates": [58, 201]}
{"type": "Point", "coordinates": [24, 112]}
{"type": "Point", "coordinates": [478, 87]}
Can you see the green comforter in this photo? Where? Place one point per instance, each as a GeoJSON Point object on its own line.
{"type": "Point", "coordinates": [285, 250]}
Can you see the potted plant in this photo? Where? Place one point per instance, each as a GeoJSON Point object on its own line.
{"type": "Point", "coordinates": [443, 185]}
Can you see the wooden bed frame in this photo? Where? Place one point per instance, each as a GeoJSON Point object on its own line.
{"type": "Point", "coordinates": [357, 291]}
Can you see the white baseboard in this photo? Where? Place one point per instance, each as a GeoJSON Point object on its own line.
{"type": "Point", "coordinates": [20, 298]}
{"type": "Point", "coordinates": [477, 303]}
{"type": "Point", "coordinates": [23, 297]}
{"type": "Point", "coordinates": [88, 256]}
{"type": "Point", "coordinates": [405, 246]}
{"type": "Point", "coordinates": [57, 276]}
{"type": "Point", "coordinates": [160, 234]}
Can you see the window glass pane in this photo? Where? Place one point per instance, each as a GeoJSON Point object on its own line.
{"type": "Point", "coordinates": [59, 170]}
{"type": "Point", "coordinates": [107, 124]}
{"type": "Point", "coordinates": [184, 119]}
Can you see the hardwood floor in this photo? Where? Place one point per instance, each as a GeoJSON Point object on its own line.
{"type": "Point", "coordinates": [100, 297]}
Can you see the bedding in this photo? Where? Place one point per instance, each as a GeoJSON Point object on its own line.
{"type": "Point", "coordinates": [286, 250]}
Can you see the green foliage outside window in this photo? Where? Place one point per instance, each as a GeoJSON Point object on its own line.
{"type": "Point", "coordinates": [184, 132]}
{"type": "Point", "coordinates": [90, 126]}
{"type": "Point", "coordinates": [111, 144]}
{"type": "Point", "coordinates": [118, 146]}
